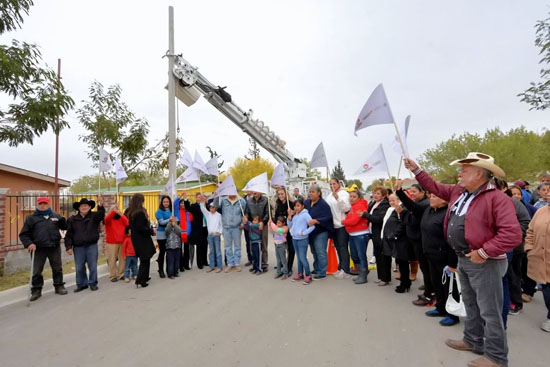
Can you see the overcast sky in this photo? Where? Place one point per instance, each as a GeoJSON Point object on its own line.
{"type": "Point", "coordinates": [305, 67]}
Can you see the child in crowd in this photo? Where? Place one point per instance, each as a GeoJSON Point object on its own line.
{"type": "Point", "coordinates": [298, 223]}
{"type": "Point", "coordinates": [279, 237]}
{"type": "Point", "coordinates": [215, 228]}
{"type": "Point", "coordinates": [173, 247]}
{"type": "Point", "coordinates": [255, 232]}
{"type": "Point", "coordinates": [129, 254]}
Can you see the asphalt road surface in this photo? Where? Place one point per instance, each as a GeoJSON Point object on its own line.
{"type": "Point", "coordinates": [239, 319]}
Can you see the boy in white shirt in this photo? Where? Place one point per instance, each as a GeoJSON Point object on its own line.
{"type": "Point", "coordinates": [215, 228]}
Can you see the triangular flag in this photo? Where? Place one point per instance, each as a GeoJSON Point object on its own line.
{"type": "Point", "coordinates": [186, 159]}
{"type": "Point", "coordinates": [198, 163]}
{"type": "Point", "coordinates": [403, 132]}
{"type": "Point", "coordinates": [190, 174]}
{"type": "Point", "coordinates": [376, 111]}
{"type": "Point", "coordinates": [375, 163]}
{"type": "Point", "coordinates": [278, 177]}
{"type": "Point", "coordinates": [105, 163]}
{"type": "Point", "coordinates": [319, 158]}
{"type": "Point", "coordinates": [119, 171]}
{"type": "Point", "coordinates": [212, 166]}
{"type": "Point", "coordinates": [258, 184]}
{"type": "Point", "coordinates": [170, 188]}
{"type": "Point", "coordinates": [226, 188]}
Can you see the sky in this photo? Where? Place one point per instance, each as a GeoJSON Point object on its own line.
{"type": "Point", "coordinates": [304, 67]}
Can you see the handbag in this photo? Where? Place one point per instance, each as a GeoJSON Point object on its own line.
{"type": "Point", "coordinates": [452, 306]}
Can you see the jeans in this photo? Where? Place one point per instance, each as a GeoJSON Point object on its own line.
{"type": "Point", "coordinates": [173, 256]}
{"type": "Point", "coordinates": [265, 237]}
{"type": "Point", "coordinates": [300, 246]}
{"type": "Point", "coordinates": [248, 252]}
{"type": "Point", "coordinates": [130, 266]}
{"type": "Point", "coordinates": [82, 256]}
{"type": "Point", "coordinates": [341, 238]}
{"type": "Point", "coordinates": [359, 244]}
{"type": "Point", "coordinates": [232, 245]}
{"type": "Point", "coordinates": [319, 244]}
{"type": "Point", "coordinates": [215, 257]}
{"type": "Point", "coordinates": [53, 254]}
{"type": "Point", "coordinates": [280, 251]}
{"type": "Point", "coordinates": [256, 249]}
{"type": "Point", "coordinates": [482, 294]}
{"type": "Point", "coordinates": [546, 295]}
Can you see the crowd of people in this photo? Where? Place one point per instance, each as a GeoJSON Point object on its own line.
{"type": "Point", "coordinates": [494, 237]}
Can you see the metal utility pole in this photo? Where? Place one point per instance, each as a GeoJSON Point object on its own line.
{"type": "Point", "coordinates": [171, 100]}
{"type": "Point", "coordinates": [56, 182]}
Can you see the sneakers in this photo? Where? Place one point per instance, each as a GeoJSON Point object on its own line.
{"type": "Point", "coordinates": [448, 321]}
{"type": "Point", "coordinates": [545, 326]}
{"type": "Point", "coordinates": [284, 277]}
{"type": "Point", "coordinates": [345, 275]}
{"type": "Point", "coordinates": [526, 298]}
{"type": "Point", "coordinates": [297, 277]}
{"type": "Point", "coordinates": [423, 301]}
{"type": "Point", "coordinates": [114, 280]}
{"type": "Point", "coordinates": [514, 310]}
{"type": "Point", "coordinates": [317, 276]}
{"type": "Point", "coordinates": [307, 280]}
{"type": "Point", "coordinates": [127, 280]}
{"type": "Point", "coordinates": [434, 313]}
{"type": "Point", "coordinates": [339, 274]}
{"type": "Point", "coordinates": [372, 260]}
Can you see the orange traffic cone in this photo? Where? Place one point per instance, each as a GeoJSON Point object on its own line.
{"type": "Point", "coordinates": [332, 258]}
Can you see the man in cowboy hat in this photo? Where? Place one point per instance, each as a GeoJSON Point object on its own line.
{"type": "Point", "coordinates": [82, 236]}
{"type": "Point", "coordinates": [481, 226]}
{"type": "Point", "coordinates": [40, 234]}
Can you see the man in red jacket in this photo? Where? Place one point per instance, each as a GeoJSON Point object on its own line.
{"type": "Point", "coordinates": [481, 227]}
{"type": "Point", "coordinates": [115, 225]}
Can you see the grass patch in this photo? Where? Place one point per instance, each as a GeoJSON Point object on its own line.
{"type": "Point", "coordinates": [22, 277]}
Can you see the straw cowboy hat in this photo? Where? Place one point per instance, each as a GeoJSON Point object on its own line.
{"type": "Point", "coordinates": [480, 160]}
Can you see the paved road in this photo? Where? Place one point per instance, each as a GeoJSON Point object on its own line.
{"type": "Point", "coordinates": [239, 319]}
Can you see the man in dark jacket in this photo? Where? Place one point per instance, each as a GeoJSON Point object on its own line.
{"type": "Point", "coordinates": [256, 205]}
{"type": "Point", "coordinates": [481, 227]}
{"type": "Point", "coordinates": [40, 234]}
{"type": "Point", "coordinates": [82, 236]}
{"type": "Point", "coordinates": [199, 232]}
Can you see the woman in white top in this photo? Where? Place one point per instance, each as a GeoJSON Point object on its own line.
{"type": "Point", "coordinates": [339, 204]}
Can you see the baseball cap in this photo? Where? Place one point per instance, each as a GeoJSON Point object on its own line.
{"type": "Point", "coordinates": [43, 199]}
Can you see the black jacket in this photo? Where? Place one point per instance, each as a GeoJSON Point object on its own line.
{"type": "Point", "coordinates": [84, 231]}
{"type": "Point", "coordinates": [199, 233]}
{"type": "Point", "coordinates": [412, 219]}
{"type": "Point", "coordinates": [257, 208]}
{"type": "Point", "coordinates": [141, 236]}
{"type": "Point", "coordinates": [376, 217]}
{"type": "Point", "coordinates": [41, 231]}
{"type": "Point", "coordinates": [395, 242]}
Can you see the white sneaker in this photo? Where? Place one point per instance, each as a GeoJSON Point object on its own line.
{"type": "Point", "coordinates": [372, 260]}
{"type": "Point", "coordinates": [339, 274]}
{"type": "Point", "coordinates": [546, 326]}
{"type": "Point", "coordinates": [345, 275]}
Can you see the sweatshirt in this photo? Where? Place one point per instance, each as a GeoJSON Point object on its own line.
{"type": "Point", "coordinates": [115, 226]}
{"type": "Point", "coordinates": [128, 247]}
{"type": "Point", "coordinates": [279, 233]}
{"type": "Point", "coordinates": [298, 225]}
{"type": "Point", "coordinates": [339, 207]}
{"type": "Point", "coordinates": [213, 221]}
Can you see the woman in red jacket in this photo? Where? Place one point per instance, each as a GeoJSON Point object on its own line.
{"type": "Point", "coordinates": [358, 229]}
{"type": "Point", "coordinates": [115, 226]}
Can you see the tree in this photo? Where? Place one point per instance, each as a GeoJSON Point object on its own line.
{"type": "Point", "coordinates": [522, 154]}
{"type": "Point", "coordinates": [538, 95]}
{"type": "Point", "coordinates": [338, 172]}
{"type": "Point", "coordinates": [245, 169]}
{"type": "Point", "coordinates": [254, 150]}
{"type": "Point", "coordinates": [109, 122]}
{"type": "Point", "coordinates": [39, 100]}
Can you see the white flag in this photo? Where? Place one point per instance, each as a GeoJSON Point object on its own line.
{"type": "Point", "coordinates": [105, 163]}
{"type": "Point", "coordinates": [120, 172]}
{"type": "Point", "coordinates": [403, 132]}
{"type": "Point", "coordinates": [170, 188]}
{"type": "Point", "coordinates": [186, 159]}
{"type": "Point", "coordinates": [278, 177]}
{"type": "Point", "coordinates": [212, 166]}
{"type": "Point", "coordinates": [190, 174]}
{"type": "Point", "coordinates": [319, 158]}
{"type": "Point", "coordinates": [198, 163]}
{"type": "Point", "coordinates": [375, 163]}
{"type": "Point", "coordinates": [376, 111]}
{"type": "Point", "coordinates": [258, 184]}
{"type": "Point", "coordinates": [227, 187]}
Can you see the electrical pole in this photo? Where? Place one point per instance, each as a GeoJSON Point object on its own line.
{"type": "Point", "coordinates": [171, 101]}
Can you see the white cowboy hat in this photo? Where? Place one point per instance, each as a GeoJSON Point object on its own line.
{"type": "Point", "coordinates": [480, 160]}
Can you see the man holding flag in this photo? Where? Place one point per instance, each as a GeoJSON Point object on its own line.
{"type": "Point", "coordinates": [256, 205]}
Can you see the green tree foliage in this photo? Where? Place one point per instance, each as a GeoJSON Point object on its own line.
{"type": "Point", "coordinates": [38, 99]}
{"type": "Point", "coordinates": [520, 153]}
{"type": "Point", "coordinates": [245, 169]}
{"type": "Point", "coordinates": [338, 172]}
{"type": "Point", "coordinates": [538, 95]}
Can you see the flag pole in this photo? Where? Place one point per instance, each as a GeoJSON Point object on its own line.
{"type": "Point", "coordinates": [386, 161]}
{"type": "Point", "coordinates": [399, 169]}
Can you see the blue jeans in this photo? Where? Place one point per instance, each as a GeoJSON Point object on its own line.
{"type": "Point", "coordinates": [546, 295]}
{"type": "Point", "coordinates": [256, 249]}
{"type": "Point", "coordinates": [358, 246]}
{"type": "Point", "coordinates": [130, 265]}
{"type": "Point", "coordinates": [319, 244]}
{"type": "Point", "coordinates": [300, 246]}
{"type": "Point", "coordinates": [232, 245]}
{"type": "Point", "coordinates": [82, 256]}
{"type": "Point", "coordinates": [215, 257]}
{"type": "Point", "coordinates": [173, 257]}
